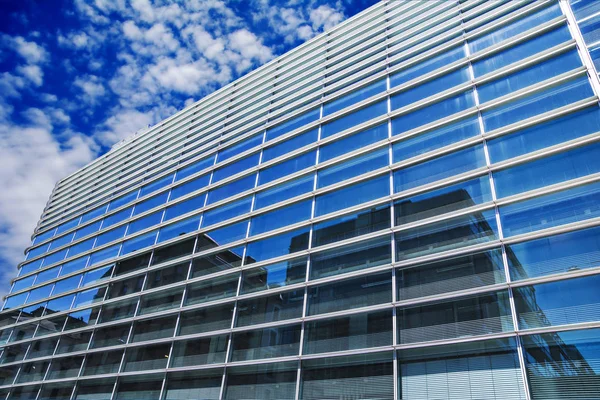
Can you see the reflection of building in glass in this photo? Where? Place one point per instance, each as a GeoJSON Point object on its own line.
{"type": "Point", "coordinates": [406, 207]}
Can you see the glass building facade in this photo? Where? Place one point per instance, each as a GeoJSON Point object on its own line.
{"type": "Point", "coordinates": [405, 207]}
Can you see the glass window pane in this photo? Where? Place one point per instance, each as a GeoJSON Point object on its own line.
{"type": "Point", "coordinates": [239, 147]}
{"type": "Point", "coordinates": [57, 391]}
{"type": "Point", "coordinates": [352, 332]}
{"type": "Point", "coordinates": [289, 145]}
{"type": "Point", "coordinates": [103, 255]}
{"type": "Point", "coordinates": [452, 274]}
{"type": "Point", "coordinates": [353, 257]}
{"type": "Point", "coordinates": [144, 222]}
{"type": "Point", "coordinates": [446, 235]}
{"type": "Point", "coordinates": [231, 189]}
{"type": "Point", "coordinates": [147, 357]}
{"type": "Point", "coordinates": [354, 97]}
{"type": "Point", "coordinates": [355, 118]}
{"type": "Point", "coordinates": [430, 64]}
{"type": "Point", "coordinates": [87, 230]}
{"type": "Point", "coordinates": [178, 229]}
{"type": "Point", "coordinates": [439, 168]}
{"type": "Point", "coordinates": [442, 201]}
{"type": "Point", "coordinates": [266, 343]}
{"type": "Point", "coordinates": [576, 204]}
{"type": "Point", "coordinates": [114, 335]}
{"type": "Point", "coordinates": [368, 376]}
{"type": "Point", "coordinates": [238, 166]}
{"type": "Point", "coordinates": [529, 76]}
{"type": "Point", "coordinates": [561, 364]}
{"type": "Point", "coordinates": [546, 134]}
{"type": "Point", "coordinates": [566, 252]}
{"type": "Point", "coordinates": [97, 275]}
{"type": "Point", "coordinates": [468, 316]}
{"type": "Point", "coordinates": [263, 381]}
{"type": "Point", "coordinates": [521, 51]}
{"type": "Point", "coordinates": [353, 167]}
{"type": "Point", "coordinates": [353, 142]}
{"type": "Point", "coordinates": [199, 351]}
{"type": "Point", "coordinates": [537, 103]}
{"type": "Point", "coordinates": [173, 251]}
{"type": "Point", "coordinates": [222, 261]}
{"type": "Point", "coordinates": [195, 167]}
{"type": "Point", "coordinates": [167, 276]}
{"type": "Point", "coordinates": [433, 139]}
{"type": "Point", "coordinates": [292, 124]}
{"type": "Point", "coordinates": [222, 236]}
{"type": "Point", "coordinates": [433, 112]}
{"type": "Point", "coordinates": [125, 287]}
{"type": "Point", "coordinates": [278, 245]}
{"type": "Point", "coordinates": [283, 191]}
{"type": "Point", "coordinates": [429, 88]}
{"type": "Point", "coordinates": [184, 207]}
{"type": "Point", "coordinates": [351, 293]}
{"type": "Point", "coordinates": [32, 372]}
{"type": "Point", "coordinates": [281, 217]}
{"type": "Point", "coordinates": [132, 264]}
{"type": "Point", "coordinates": [565, 302]}
{"type": "Point", "coordinates": [455, 371]}
{"type": "Point", "coordinates": [95, 389]}
{"type": "Point", "coordinates": [80, 319]}
{"type": "Point", "coordinates": [227, 211]}
{"type": "Point", "coordinates": [204, 384]}
{"type": "Point", "coordinates": [104, 362]}
{"type": "Point", "coordinates": [74, 342]}
{"type": "Point", "coordinates": [139, 242]}
{"type": "Point", "coordinates": [514, 28]}
{"type": "Point", "coordinates": [288, 167]}
{"type": "Point", "coordinates": [557, 168]}
{"type": "Point", "coordinates": [189, 187]}
{"type": "Point", "coordinates": [121, 201]}
{"type": "Point", "coordinates": [351, 225]}
{"type": "Point", "coordinates": [65, 368]}
{"type": "Point", "coordinates": [213, 289]}
{"type": "Point", "coordinates": [274, 275]}
{"type": "Point", "coordinates": [117, 311]}
{"type": "Point", "coordinates": [151, 329]}
{"type": "Point", "coordinates": [206, 320]}
{"type": "Point", "coordinates": [160, 301]}
{"type": "Point", "coordinates": [89, 296]}
{"type": "Point", "coordinates": [352, 195]}
{"type": "Point", "coordinates": [151, 203]}
{"type": "Point", "coordinates": [272, 308]}
{"type": "Point", "coordinates": [116, 217]}
{"type": "Point", "coordinates": [110, 236]}
{"type": "Point", "coordinates": [42, 348]}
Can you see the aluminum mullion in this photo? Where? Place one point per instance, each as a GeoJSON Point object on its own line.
{"type": "Point", "coordinates": [583, 49]}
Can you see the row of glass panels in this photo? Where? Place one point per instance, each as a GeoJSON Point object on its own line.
{"type": "Point", "coordinates": [557, 365]}
{"type": "Point", "coordinates": [547, 304]}
{"type": "Point", "coordinates": [570, 164]}
{"type": "Point", "coordinates": [457, 53]}
{"type": "Point", "coordinates": [405, 178]}
{"type": "Point", "coordinates": [426, 6]}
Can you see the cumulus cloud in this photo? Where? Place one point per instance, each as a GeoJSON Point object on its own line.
{"type": "Point", "coordinates": [31, 154]}
{"type": "Point", "coordinates": [92, 88]}
{"type": "Point", "coordinates": [29, 51]}
{"type": "Point", "coordinates": [33, 73]}
{"type": "Point", "coordinates": [324, 17]}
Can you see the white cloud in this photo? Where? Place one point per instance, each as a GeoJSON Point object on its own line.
{"type": "Point", "coordinates": [92, 88]}
{"type": "Point", "coordinates": [48, 97]}
{"type": "Point", "coordinates": [144, 9]}
{"type": "Point", "coordinates": [249, 46]}
{"type": "Point", "coordinates": [33, 73]}
{"type": "Point", "coordinates": [32, 161]}
{"type": "Point", "coordinates": [30, 51]}
{"type": "Point", "coordinates": [11, 85]}
{"type": "Point", "coordinates": [325, 17]}
{"type": "Point", "coordinates": [122, 125]}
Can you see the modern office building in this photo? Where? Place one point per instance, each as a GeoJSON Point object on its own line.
{"type": "Point", "coordinates": [405, 207]}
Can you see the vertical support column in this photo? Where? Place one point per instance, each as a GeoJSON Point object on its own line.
{"type": "Point", "coordinates": [581, 46]}
{"type": "Point", "coordinates": [499, 225]}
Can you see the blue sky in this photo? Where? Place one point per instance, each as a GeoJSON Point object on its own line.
{"type": "Point", "coordinates": [77, 76]}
